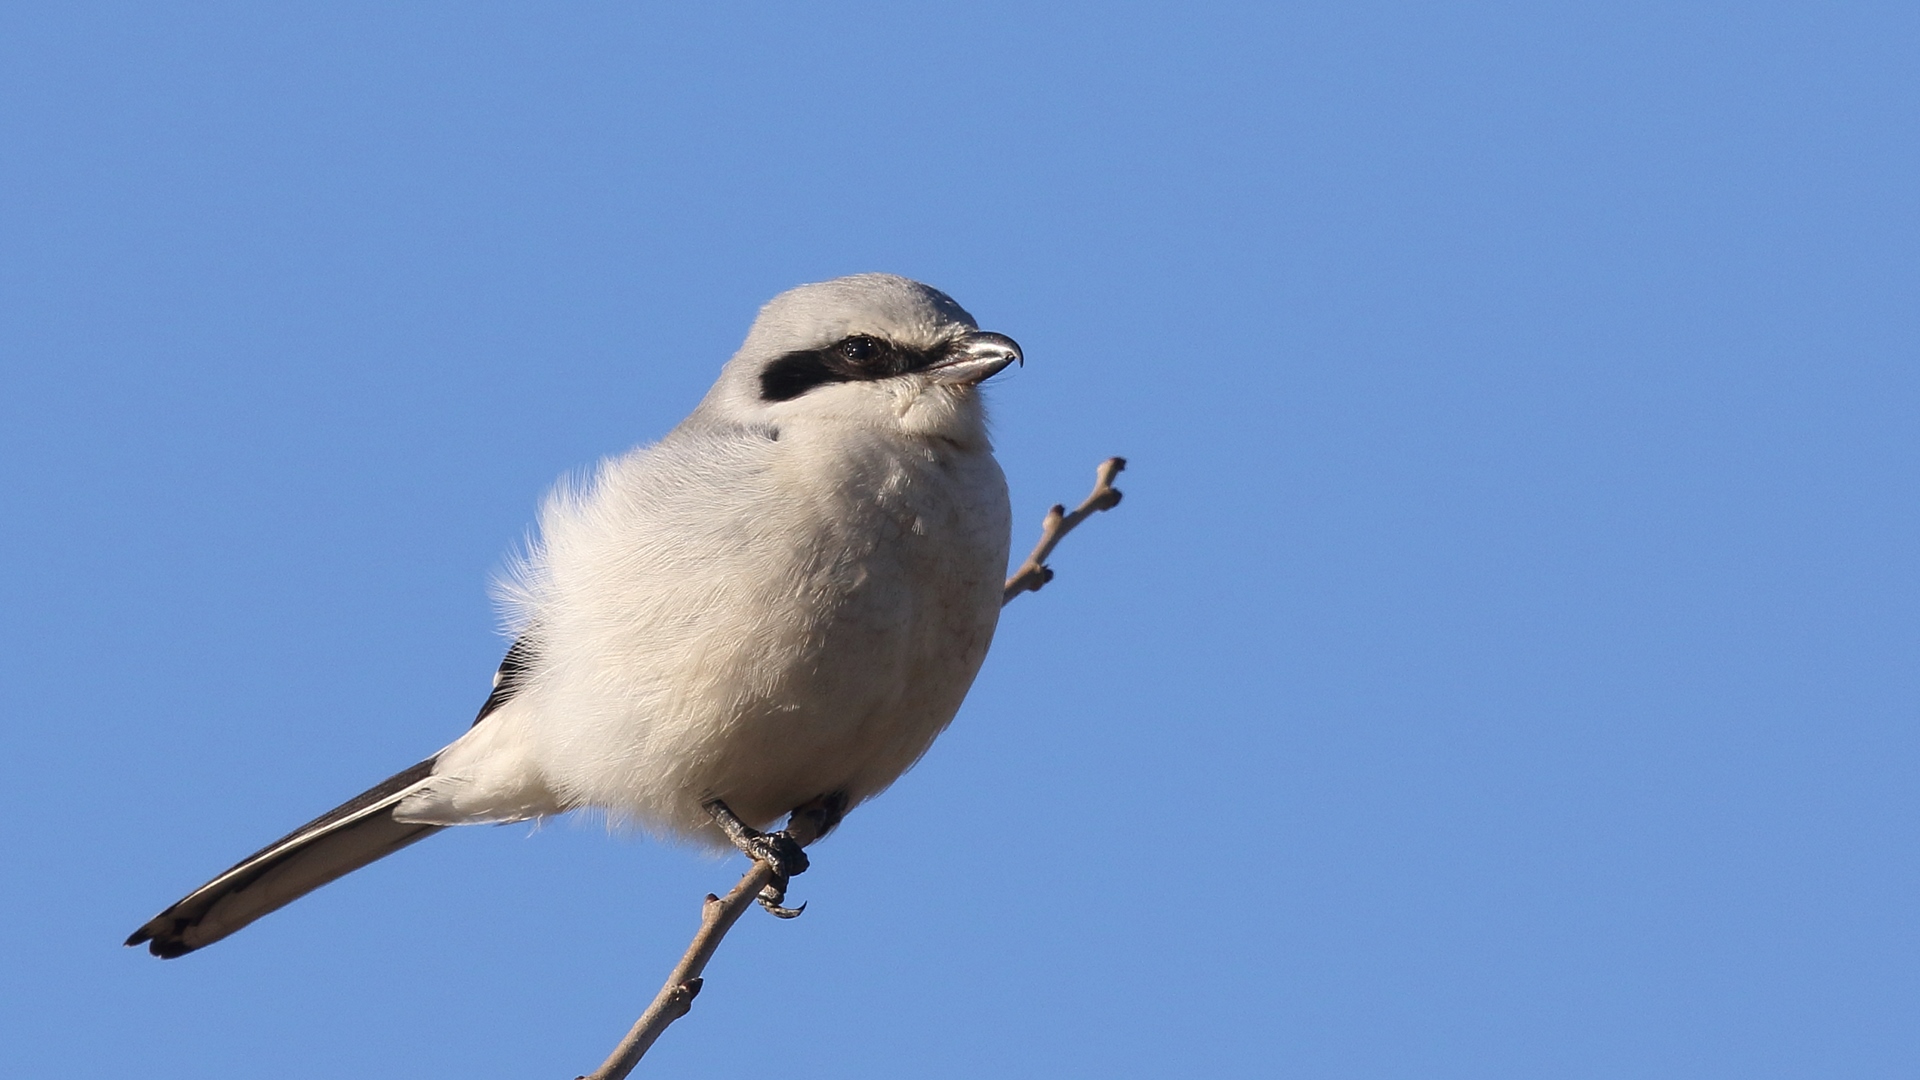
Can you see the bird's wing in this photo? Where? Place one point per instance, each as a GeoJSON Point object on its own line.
{"type": "Point", "coordinates": [507, 680]}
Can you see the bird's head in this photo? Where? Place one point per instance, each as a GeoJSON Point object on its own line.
{"type": "Point", "coordinates": [872, 350]}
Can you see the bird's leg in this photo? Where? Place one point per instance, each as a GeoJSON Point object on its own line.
{"type": "Point", "coordinates": [780, 851]}
{"type": "Point", "coordinates": [824, 813]}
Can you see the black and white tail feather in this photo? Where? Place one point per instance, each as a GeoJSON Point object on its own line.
{"type": "Point", "coordinates": [344, 839]}
{"type": "Point", "coordinates": [336, 843]}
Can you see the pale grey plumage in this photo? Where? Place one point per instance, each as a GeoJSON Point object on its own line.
{"type": "Point", "coordinates": [785, 598]}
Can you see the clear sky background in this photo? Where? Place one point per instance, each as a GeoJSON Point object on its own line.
{"type": "Point", "coordinates": [1503, 664]}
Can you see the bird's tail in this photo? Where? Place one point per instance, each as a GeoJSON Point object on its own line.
{"type": "Point", "coordinates": [338, 842]}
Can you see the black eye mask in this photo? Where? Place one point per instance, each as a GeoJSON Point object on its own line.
{"type": "Point", "coordinates": [860, 358]}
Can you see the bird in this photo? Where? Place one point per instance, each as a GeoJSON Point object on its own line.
{"type": "Point", "coordinates": [772, 610]}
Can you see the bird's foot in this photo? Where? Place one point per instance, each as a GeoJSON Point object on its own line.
{"type": "Point", "coordinates": [779, 850]}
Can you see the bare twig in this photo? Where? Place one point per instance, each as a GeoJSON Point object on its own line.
{"type": "Point", "coordinates": [675, 999]}
{"type": "Point", "coordinates": [718, 914]}
{"type": "Point", "coordinates": [1034, 572]}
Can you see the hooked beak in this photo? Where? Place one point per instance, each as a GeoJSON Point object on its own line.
{"type": "Point", "coordinates": [972, 358]}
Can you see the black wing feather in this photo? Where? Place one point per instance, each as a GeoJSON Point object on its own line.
{"type": "Point", "coordinates": [507, 680]}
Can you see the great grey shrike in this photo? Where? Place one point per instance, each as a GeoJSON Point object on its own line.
{"type": "Point", "coordinates": [775, 608]}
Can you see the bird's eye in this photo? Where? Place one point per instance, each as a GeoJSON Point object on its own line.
{"type": "Point", "coordinates": [860, 349]}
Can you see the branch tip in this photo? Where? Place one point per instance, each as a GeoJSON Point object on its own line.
{"type": "Point", "coordinates": [1057, 524]}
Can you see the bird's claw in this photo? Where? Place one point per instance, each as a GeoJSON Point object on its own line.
{"type": "Point", "coordinates": [773, 896]}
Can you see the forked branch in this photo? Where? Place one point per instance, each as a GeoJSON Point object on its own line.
{"type": "Point", "coordinates": [719, 913]}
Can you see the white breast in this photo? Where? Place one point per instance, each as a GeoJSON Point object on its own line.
{"type": "Point", "coordinates": [756, 619]}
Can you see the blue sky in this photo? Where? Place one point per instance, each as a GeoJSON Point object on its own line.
{"type": "Point", "coordinates": [1503, 664]}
